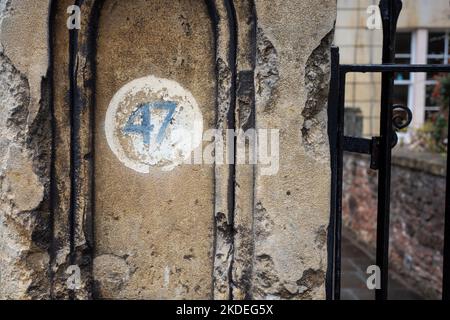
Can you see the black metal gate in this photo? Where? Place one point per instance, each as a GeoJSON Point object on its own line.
{"type": "Point", "coordinates": [379, 148]}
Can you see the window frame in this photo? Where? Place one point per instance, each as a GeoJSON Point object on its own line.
{"type": "Point", "coordinates": [411, 56]}
{"type": "Point", "coordinates": [444, 57]}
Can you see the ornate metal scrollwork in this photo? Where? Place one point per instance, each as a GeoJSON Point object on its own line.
{"type": "Point", "coordinates": [401, 118]}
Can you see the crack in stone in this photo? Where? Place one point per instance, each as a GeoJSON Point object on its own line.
{"type": "Point", "coordinates": [266, 70]}
{"type": "Point", "coordinates": [317, 75]}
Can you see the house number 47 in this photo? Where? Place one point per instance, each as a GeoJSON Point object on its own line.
{"type": "Point", "coordinates": [140, 121]}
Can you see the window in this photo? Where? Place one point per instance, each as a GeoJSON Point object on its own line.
{"type": "Point", "coordinates": [438, 53]}
{"type": "Point", "coordinates": [403, 80]}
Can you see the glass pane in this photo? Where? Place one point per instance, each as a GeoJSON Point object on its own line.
{"type": "Point", "coordinates": [402, 75]}
{"type": "Point", "coordinates": [436, 43]}
{"type": "Point", "coordinates": [401, 94]}
{"type": "Point", "coordinates": [448, 40]}
{"type": "Point", "coordinates": [403, 42]}
{"type": "Point", "coordinates": [429, 96]}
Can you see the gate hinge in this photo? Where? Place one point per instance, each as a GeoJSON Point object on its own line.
{"type": "Point", "coordinates": [375, 153]}
{"type": "Point", "coordinates": [364, 146]}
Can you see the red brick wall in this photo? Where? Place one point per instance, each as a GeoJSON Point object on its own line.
{"type": "Point", "coordinates": [417, 214]}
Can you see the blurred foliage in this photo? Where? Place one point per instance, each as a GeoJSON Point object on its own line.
{"type": "Point", "coordinates": [432, 136]}
{"type": "Point", "coordinates": [441, 92]}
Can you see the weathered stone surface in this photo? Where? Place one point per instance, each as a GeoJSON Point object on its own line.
{"type": "Point", "coordinates": [196, 231]}
{"type": "Point", "coordinates": [160, 221]}
{"type": "Point", "coordinates": [223, 174]}
{"type": "Point", "coordinates": [24, 151]}
{"type": "Point", "coordinates": [62, 162]}
{"type": "Point", "coordinates": [113, 273]}
{"type": "Point", "coordinates": [292, 207]}
{"type": "Point", "coordinates": [242, 265]}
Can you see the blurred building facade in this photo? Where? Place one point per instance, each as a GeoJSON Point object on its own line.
{"type": "Point", "coordinates": [423, 37]}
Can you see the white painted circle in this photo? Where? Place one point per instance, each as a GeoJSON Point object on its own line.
{"type": "Point", "coordinates": [153, 122]}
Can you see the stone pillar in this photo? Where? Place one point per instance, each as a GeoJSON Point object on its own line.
{"type": "Point", "coordinates": [291, 207]}
{"type": "Point", "coordinates": [98, 125]}
{"type": "Point", "coordinates": [25, 148]}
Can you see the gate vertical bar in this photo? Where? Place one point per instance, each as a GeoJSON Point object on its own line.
{"type": "Point", "coordinates": [390, 10]}
{"type": "Point", "coordinates": [333, 112]}
{"type": "Point", "coordinates": [339, 170]}
{"type": "Point", "coordinates": [446, 267]}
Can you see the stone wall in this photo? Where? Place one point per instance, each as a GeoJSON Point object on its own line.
{"type": "Point", "coordinates": [25, 143]}
{"type": "Point", "coordinates": [67, 198]}
{"type": "Point", "coordinates": [417, 214]}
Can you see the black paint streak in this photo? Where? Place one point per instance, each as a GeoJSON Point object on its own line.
{"type": "Point", "coordinates": [53, 191]}
{"type": "Point", "coordinates": [82, 97]}
{"type": "Point", "coordinates": [212, 10]}
{"type": "Point", "coordinates": [231, 124]}
{"type": "Point", "coordinates": [74, 136]}
{"type": "Point", "coordinates": [246, 97]}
